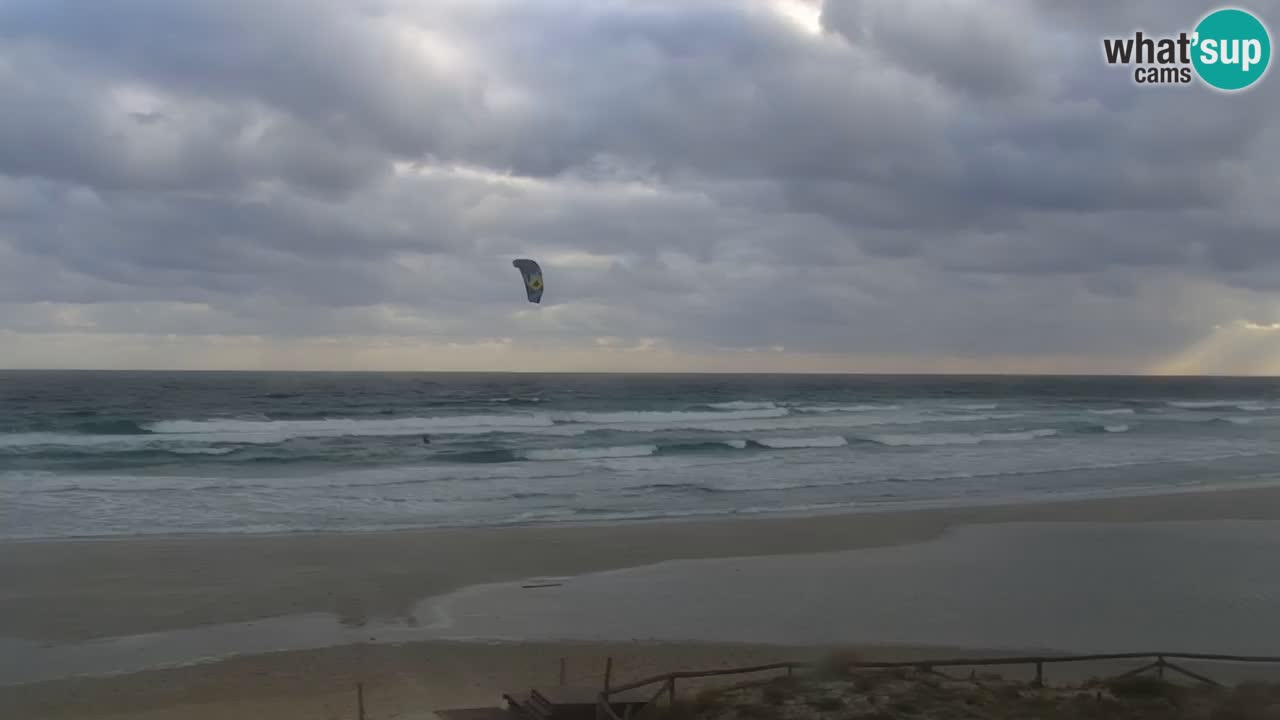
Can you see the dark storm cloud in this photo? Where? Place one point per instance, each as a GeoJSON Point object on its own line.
{"type": "Point", "coordinates": [935, 178]}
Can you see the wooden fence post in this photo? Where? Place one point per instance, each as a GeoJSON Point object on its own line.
{"type": "Point", "coordinates": [671, 691]}
{"type": "Point", "coordinates": [608, 673]}
{"type": "Point", "coordinates": [360, 700]}
{"type": "Point", "coordinates": [563, 672]}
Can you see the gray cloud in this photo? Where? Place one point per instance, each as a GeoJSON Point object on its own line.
{"type": "Point", "coordinates": [952, 179]}
{"type": "Point", "coordinates": [985, 50]}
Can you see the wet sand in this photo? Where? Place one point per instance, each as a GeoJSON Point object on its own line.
{"type": "Point", "coordinates": [1056, 588]}
{"type": "Point", "coordinates": [77, 590]}
{"type": "Point", "coordinates": [58, 594]}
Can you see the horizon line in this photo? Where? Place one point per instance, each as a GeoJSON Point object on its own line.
{"type": "Point", "coordinates": [799, 373]}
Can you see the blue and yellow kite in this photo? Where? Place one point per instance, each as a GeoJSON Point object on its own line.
{"type": "Point", "coordinates": [532, 275]}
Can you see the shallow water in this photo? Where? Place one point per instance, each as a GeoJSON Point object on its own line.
{"type": "Point", "coordinates": [1072, 587]}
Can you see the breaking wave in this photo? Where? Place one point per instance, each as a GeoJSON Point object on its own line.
{"type": "Point", "coordinates": [924, 439]}
{"type": "Point", "coordinates": [603, 453]}
{"type": "Point", "coordinates": [275, 431]}
{"type": "Point", "coordinates": [786, 443]}
{"type": "Point", "coordinates": [656, 417]}
{"type": "Point", "coordinates": [1245, 405]}
{"type": "Point", "coordinates": [844, 408]}
{"type": "Point", "coordinates": [743, 405]}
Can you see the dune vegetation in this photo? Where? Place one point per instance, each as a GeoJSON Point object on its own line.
{"type": "Point", "coordinates": [917, 695]}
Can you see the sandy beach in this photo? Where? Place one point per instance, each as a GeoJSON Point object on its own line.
{"type": "Point", "coordinates": [76, 590]}
{"type": "Point", "coordinates": [399, 681]}
{"type": "Point", "coordinates": [73, 591]}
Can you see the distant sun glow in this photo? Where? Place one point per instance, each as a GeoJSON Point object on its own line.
{"type": "Point", "coordinates": [1239, 348]}
{"type": "Point", "coordinates": [805, 15]}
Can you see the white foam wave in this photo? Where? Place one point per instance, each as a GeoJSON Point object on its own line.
{"type": "Point", "coordinates": [657, 417]}
{"type": "Point", "coordinates": [1116, 428]}
{"type": "Point", "coordinates": [736, 444]}
{"type": "Point", "coordinates": [168, 434]}
{"type": "Point", "coordinates": [600, 453]}
{"type": "Point", "coordinates": [1246, 405]}
{"type": "Point", "coordinates": [18, 442]}
{"type": "Point", "coordinates": [808, 422]}
{"type": "Point", "coordinates": [921, 439]}
{"type": "Point", "coordinates": [828, 441]}
{"type": "Point", "coordinates": [448, 483]}
{"type": "Point", "coordinates": [1113, 411]}
{"type": "Point", "coordinates": [203, 451]}
{"type": "Point", "coordinates": [978, 406]}
{"type": "Point", "coordinates": [34, 440]}
{"type": "Point", "coordinates": [46, 482]}
{"type": "Point", "coordinates": [743, 405]}
{"type": "Point", "coordinates": [844, 408]}
{"type": "Point", "coordinates": [273, 431]}
{"type": "Point", "coordinates": [680, 465]}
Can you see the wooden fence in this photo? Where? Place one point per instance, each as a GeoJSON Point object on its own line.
{"type": "Point", "coordinates": [665, 685]}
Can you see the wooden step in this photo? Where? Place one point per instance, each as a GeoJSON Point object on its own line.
{"type": "Point", "coordinates": [535, 707]}
{"type": "Point", "coordinates": [541, 702]}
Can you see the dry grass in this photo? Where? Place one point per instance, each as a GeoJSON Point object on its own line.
{"type": "Point", "coordinates": [828, 694]}
{"type": "Point", "coordinates": [837, 664]}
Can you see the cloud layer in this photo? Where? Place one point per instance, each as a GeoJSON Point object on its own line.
{"type": "Point", "coordinates": [709, 184]}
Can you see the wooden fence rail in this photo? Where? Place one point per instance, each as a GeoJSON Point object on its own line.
{"type": "Point", "coordinates": [1159, 661]}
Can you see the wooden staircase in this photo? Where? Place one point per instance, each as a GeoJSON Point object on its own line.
{"type": "Point", "coordinates": [534, 707]}
{"type": "Point", "coordinates": [568, 703]}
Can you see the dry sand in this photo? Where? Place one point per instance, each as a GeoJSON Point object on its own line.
{"type": "Point", "coordinates": [400, 681]}
{"type": "Point", "coordinates": [70, 591]}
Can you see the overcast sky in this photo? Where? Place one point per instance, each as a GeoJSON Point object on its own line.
{"type": "Point", "coordinates": [873, 185]}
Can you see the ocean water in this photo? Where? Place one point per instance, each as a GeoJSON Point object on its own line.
{"type": "Point", "coordinates": [115, 453]}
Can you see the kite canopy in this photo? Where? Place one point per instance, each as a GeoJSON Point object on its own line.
{"type": "Point", "coordinates": [532, 275]}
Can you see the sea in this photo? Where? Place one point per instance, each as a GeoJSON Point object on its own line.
{"type": "Point", "coordinates": [94, 454]}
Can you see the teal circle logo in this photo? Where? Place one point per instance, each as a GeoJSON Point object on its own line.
{"type": "Point", "coordinates": [1232, 49]}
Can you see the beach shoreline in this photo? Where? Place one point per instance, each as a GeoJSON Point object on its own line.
{"type": "Point", "coordinates": [68, 591]}
{"type": "Point", "coordinates": [109, 591]}
{"type": "Point", "coordinates": [851, 510]}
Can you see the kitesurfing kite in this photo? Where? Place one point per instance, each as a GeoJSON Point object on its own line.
{"type": "Point", "coordinates": [532, 275]}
